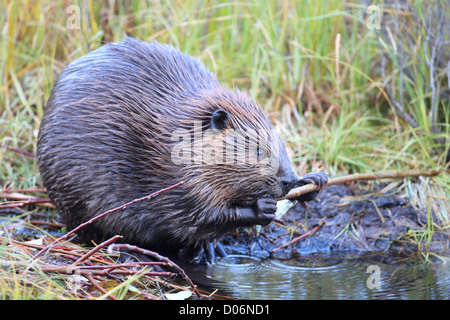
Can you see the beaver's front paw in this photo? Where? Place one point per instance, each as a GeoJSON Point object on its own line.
{"type": "Point", "coordinates": [320, 179]}
{"type": "Point", "coordinates": [265, 209]}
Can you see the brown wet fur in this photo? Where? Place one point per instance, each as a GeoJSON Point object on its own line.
{"type": "Point", "coordinates": [105, 139]}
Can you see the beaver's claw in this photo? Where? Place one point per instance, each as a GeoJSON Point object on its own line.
{"type": "Point", "coordinates": [320, 179]}
{"type": "Point", "coordinates": [208, 253]}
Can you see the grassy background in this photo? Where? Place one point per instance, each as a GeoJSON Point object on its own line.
{"type": "Point", "coordinates": [314, 66]}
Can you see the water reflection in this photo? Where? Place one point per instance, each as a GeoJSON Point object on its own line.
{"type": "Point", "coordinates": [331, 277]}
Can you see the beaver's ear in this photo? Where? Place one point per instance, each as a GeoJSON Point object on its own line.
{"type": "Point", "coordinates": [219, 119]}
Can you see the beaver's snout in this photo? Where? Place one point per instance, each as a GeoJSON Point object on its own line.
{"type": "Point", "coordinates": [287, 181]}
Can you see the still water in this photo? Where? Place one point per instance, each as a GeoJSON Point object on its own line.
{"type": "Point", "coordinates": [331, 277]}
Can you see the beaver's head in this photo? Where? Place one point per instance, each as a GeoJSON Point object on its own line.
{"type": "Point", "coordinates": [231, 155]}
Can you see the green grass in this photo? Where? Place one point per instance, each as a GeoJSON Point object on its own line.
{"type": "Point", "coordinates": [21, 281]}
{"type": "Point", "coordinates": [313, 66]}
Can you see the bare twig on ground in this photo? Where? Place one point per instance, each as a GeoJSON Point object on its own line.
{"type": "Point", "coordinates": [307, 234]}
{"type": "Point", "coordinates": [15, 204]}
{"type": "Point", "coordinates": [96, 268]}
{"type": "Point", "coordinates": [104, 214]}
{"type": "Point", "coordinates": [158, 257]}
{"type": "Point", "coordinates": [104, 267]}
{"type": "Point", "coordinates": [99, 287]}
{"type": "Point", "coordinates": [20, 199]}
{"type": "Point", "coordinates": [20, 151]}
{"type": "Point", "coordinates": [95, 249]}
{"type": "Point", "coordinates": [32, 189]}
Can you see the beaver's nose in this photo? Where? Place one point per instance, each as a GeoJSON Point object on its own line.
{"type": "Point", "coordinates": [288, 182]}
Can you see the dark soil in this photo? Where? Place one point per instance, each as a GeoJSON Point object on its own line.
{"type": "Point", "coordinates": [354, 221]}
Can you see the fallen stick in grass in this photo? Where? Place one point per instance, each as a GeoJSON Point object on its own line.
{"type": "Point", "coordinates": [98, 268]}
{"type": "Point", "coordinates": [31, 189]}
{"type": "Point", "coordinates": [307, 234]}
{"type": "Point", "coordinates": [95, 249]}
{"type": "Point", "coordinates": [99, 287]}
{"type": "Point", "coordinates": [23, 203]}
{"type": "Point", "coordinates": [90, 273]}
{"type": "Point", "coordinates": [158, 257]}
{"type": "Point", "coordinates": [362, 176]}
{"type": "Point", "coordinates": [17, 202]}
{"type": "Point", "coordinates": [16, 150]}
{"type": "Point", "coordinates": [20, 199]}
{"type": "Point", "coordinates": [101, 215]}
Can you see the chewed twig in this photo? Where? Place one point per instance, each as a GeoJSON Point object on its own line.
{"type": "Point", "coordinates": [345, 179]}
{"type": "Point", "coordinates": [362, 176]}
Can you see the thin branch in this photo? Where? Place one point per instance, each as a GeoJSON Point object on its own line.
{"type": "Point", "coordinates": [158, 257]}
{"type": "Point", "coordinates": [101, 215]}
{"type": "Point", "coordinates": [362, 176]}
{"type": "Point", "coordinates": [32, 189]}
{"type": "Point", "coordinates": [307, 234]}
{"type": "Point", "coordinates": [16, 150]}
{"type": "Point", "coordinates": [95, 249]}
{"type": "Point", "coordinates": [24, 203]}
{"type": "Point", "coordinates": [61, 250]}
{"type": "Point", "coordinates": [99, 287]}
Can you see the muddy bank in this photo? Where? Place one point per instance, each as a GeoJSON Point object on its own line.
{"type": "Point", "coordinates": [350, 220]}
{"type": "Point", "coordinates": [353, 221]}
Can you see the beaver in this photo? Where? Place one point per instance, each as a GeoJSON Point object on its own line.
{"type": "Point", "coordinates": [131, 118]}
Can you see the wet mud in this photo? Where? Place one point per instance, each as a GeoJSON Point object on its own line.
{"type": "Point", "coordinates": [350, 221]}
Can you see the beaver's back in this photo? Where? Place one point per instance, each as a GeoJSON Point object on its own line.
{"type": "Point", "coordinates": [108, 118]}
{"type": "Point", "coordinates": [106, 138]}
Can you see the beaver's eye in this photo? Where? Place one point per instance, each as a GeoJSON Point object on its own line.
{"type": "Point", "coordinates": [260, 153]}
